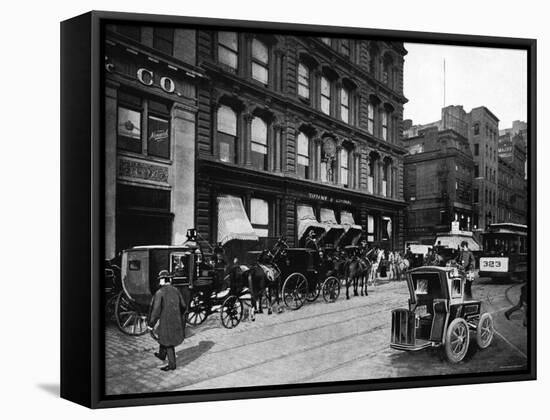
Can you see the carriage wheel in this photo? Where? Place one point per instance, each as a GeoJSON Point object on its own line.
{"type": "Point", "coordinates": [331, 289]}
{"type": "Point", "coordinates": [314, 294]}
{"type": "Point", "coordinates": [197, 312]}
{"type": "Point", "coordinates": [231, 312]}
{"type": "Point", "coordinates": [485, 331]}
{"type": "Point", "coordinates": [457, 340]}
{"type": "Point", "coordinates": [295, 291]}
{"type": "Point", "coordinates": [129, 318]}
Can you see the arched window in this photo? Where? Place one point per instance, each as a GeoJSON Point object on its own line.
{"type": "Point", "coordinates": [385, 118]}
{"type": "Point", "coordinates": [344, 104]}
{"type": "Point", "coordinates": [328, 159]}
{"type": "Point", "coordinates": [228, 49]}
{"type": "Point", "coordinates": [260, 61]}
{"type": "Point", "coordinates": [370, 174]}
{"type": "Point", "coordinates": [344, 167]}
{"type": "Point", "coordinates": [303, 156]}
{"type": "Point", "coordinates": [258, 144]}
{"type": "Point", "coordinates": [325, 95]}
{"type": "Point", "coordinates": [303, 81]}
{"type": "Point", "coordinates": [374, 55]}
{"type": "Point", "coordinates": [370, 118]}
{"type": "Point", "coordinates": [387, 69]}
{"type": "Point", "coordinates": [227, 134]}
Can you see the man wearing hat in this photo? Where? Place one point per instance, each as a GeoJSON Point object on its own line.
{"type": "Point", "coordinates": [311, 240]}
{"type": "Point", "coordinates": [168, 309]}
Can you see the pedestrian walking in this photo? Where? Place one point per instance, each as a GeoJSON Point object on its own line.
{"type": "Point", "coordinates": [522, 303]}
{"type": "Point", "coordinates": [468, 263]}
{"type": "Point", "coordinates": [168, 309]}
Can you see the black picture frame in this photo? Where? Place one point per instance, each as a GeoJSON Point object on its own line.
{"type": "Point", "coordinates": [82, 214]}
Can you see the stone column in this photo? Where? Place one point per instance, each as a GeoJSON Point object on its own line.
{"type": "Point", "coordinates": [277, 152]}
{"type": "Point", "coordinates": [110, 167]}
{"type": "Point", "coordinates": [357, 175]}
{"type": "Point", "coordinates": [247, 121]}
{"type": "Point", "coordinates": [183, 170]}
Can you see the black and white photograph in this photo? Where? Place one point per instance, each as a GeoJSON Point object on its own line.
{"type": "Point", "coordinates": [285, 208]}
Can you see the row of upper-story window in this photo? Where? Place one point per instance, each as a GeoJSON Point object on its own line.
{"type": "Point", "coordinates": [383, 66]}
{"type": "Point", "coordinates": [328, 164]}
{"type": "Point", "coordinates": [490, 133]}
{"type": "Point", "coordinates": [321, 89]}
{"type": "Point", "coordinates": [490, 152]}
{"type": "Point", "coordinates": [490, 173]}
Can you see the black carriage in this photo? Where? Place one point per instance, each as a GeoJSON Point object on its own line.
{"type": "Point", "coordinates": [439, 315]}
{"type": "Point", "coordinates": [202, 285]}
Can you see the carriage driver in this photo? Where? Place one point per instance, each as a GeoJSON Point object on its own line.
{"type": "Point", "coordinates": [168, 309]}
{"type": "Point", "coordinates": [467, 261]}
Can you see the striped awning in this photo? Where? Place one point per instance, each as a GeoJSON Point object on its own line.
{"type": "Point", "coordinates": [346, 219]}
{"type": "Point", "coordinates": [353, 231]}
{"type": "Point", "coordinates": [233, 222]}
{"type": "Point", "coordinates": [307, 221]}
{"type": "Point", "coordinates": [454, 241]}
{"type": "Point", "coordinates": [329, 220]}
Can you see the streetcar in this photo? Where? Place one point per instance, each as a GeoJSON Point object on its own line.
{"type": "Point", "coordinates": [504, 251]}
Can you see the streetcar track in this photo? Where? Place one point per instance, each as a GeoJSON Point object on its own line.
{"type": "Point", "coordinates": [285, 323]}
{"type": "Point", "coordinates": [289, 354]}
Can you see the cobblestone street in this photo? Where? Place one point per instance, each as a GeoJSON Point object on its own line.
{"type": "Point", "coordinates": [345, 340]}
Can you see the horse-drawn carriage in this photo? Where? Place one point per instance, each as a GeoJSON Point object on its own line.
{"type": "Point", "coordinates": [204, 287]}
{"type": "Point", "coordinates": [439, 315]}
{"type": "Point", "coordinates": [296, 275]}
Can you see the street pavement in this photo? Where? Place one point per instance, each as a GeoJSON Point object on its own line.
{"type": "Point", "coordinates": [345, 340]}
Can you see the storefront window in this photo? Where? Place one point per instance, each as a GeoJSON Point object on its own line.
{"type": "Point", "coordinates": [129, 129]}
{"type": "Point", "coordinates": [260, 62]}
{"type": "Point", "coordinates": [131, 137]}
{"type": "Point", "coordinates": [259, 143]}
{"type": "Point", "coordinates": [228, 49]}
{"type": "Point", "coordinates": [227, 134]}
{"type": "Point", "coordinates": [158, 137]}
{"type": "Point", "coordinates": [386, 228]}
{"type": "Point", "coordinates": [370, 228]}
{"type": "Point", "coordinates": [303, 156]}
{"type": "Point", "coordinates": [259, 217]}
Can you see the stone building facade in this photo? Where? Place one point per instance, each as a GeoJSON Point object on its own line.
{"type": "Point", "coordinates": [512, 180]}
{"type": "Point", "coordinates": [268, 134]}
{"type": "Point", "coordinates": [438, 183]}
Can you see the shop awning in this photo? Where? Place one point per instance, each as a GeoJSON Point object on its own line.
{"type": "Point", "coordinates": [233, 222]}
{"type": "Point", "coordinates": [307, 221]}
{"type": "Point", "coordinates": [353, 231]}
{"type": "Point", "coordinates": [333, 229]}
{"type": "Point", "coordinates": [453, 241]}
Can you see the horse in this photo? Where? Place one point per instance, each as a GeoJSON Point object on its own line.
{"type": "Point", "coordinates": [357, 271]}
{"type": "Point", "coordinates": [264, 282]}
{"type": "Point", "coordinates": [264, 279]}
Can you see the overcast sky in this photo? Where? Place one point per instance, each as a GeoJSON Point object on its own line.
{"type": "Point", "coordinates": [495, 78]}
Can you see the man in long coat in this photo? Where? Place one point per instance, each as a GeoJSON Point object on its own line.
{"type": "Point", "coordinates": [168, 309]}
{"type": "Point", "coordinates": [467, 261]}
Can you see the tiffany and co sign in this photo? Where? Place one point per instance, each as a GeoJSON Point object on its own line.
{"type": "Point", "coordinates": [321, 197]}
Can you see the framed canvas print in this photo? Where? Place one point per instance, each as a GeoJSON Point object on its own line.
{"type": "Point", "coordinates": [255, 209]}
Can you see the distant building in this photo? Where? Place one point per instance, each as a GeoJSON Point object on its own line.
{"type": "Point", "coordinates": [480, 128]}
{"type": "Point", "coordinates": [483, 136]}
{"type": "Point", "coordinates": [438, 182]}
{"type": "Point", "coordinates": [512, 188]}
